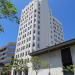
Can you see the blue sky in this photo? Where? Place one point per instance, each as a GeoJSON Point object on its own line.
{"type": "Point", "coordinates": [63, 10]}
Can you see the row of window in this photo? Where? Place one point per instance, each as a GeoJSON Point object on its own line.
{"type": "Point", "coordinates": [23, 54]}
{"type": "Point", "coordinates": [28, 33]}
{"type": "Point", "coordinates": [27, 29]}
{"type": "Point", "coordinates": [26, 18]}
{"type": "Point", "coordinates": [28, 46]}
{"type": "Point", "coordinates": [58, 33]}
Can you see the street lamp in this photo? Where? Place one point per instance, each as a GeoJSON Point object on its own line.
{"type": "Point", "coordinates": [48, 62]}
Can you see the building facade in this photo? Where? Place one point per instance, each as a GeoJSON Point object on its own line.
{"type": "Point", "coordinates": [7, 52]}
{"type": "Point", "coordinates": [38, 29]}
{"type": "Point", "coordinates": [57, 57]}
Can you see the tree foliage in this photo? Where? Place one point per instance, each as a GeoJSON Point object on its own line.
{"type": "Point", "coordinates": [7, 68]}
{"type": "Point", "coordinates": [37, 64]}
{"type": "Point", "coordinates": [69, 68]}
{"type": "Point", "coordinates": [8, 11]}
{"type": "Point", "coordinates": [17, 64]}
{"type": "Point", "coordinates": [22, 65]}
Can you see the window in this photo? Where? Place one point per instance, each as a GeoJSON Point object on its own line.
{"type": "Point", "coordinates": [35, 15]}
{"type": "Point", "coordinates": [19, 49]}
{"type": "Point", "coordinates": [26, 25]}
{"type": "Point", "coordinates": [23, 47]}
{"type": "Point", "coordinates": [38, 46]}
{"type": "Point", "coordinates": [29, 38]}
{"type": "Point", "coordinates": [39, 4]}
{"type": "Point", "coordinates": [38, 32]}
{"type": "Point", "coordinates": [33, 37]}
{"type": "Point", "coordinates": [30, 32]}
{"type": "Point", "coordinates": [66, 59]}
{"type": "Point", "coordinates": [18, 55]}
{"type": "Point", "coordinates": [26, 72]}
{"type": "Point", "coordinates": [38, 16]}
{"type": "Point", "coordinates": [38, 22]}
{"type": "Point", "coordinates": [51, 42]}
{"type": "Point", "coordinates": [29, 44]}
{"type": "Point", "coordinates": [25, 35]}
{"type": "Point", "coordinates": [51, 36]}
{"type": "Point", "coordinates": [22, 54]}
{"type": "Point", "coordinates": [24, 41]}
{"type": "Point", "coordinates": [34, 25]}
{"type": "Point", "coordinates": [31, 17]}
{"type": "Point", "coordinates": [34, 31]}
{"type": "Point", "coordinates": [38, 39]}
{"type": "Point", "coordinates": [20, 72]}
{"type": "Point", "coordinates": [33, 44]}
{"type": "Point", "coordinates": [35, 10]}
{"type": "Point", "coordinates": [30, 26]}
{"type": "Point", "coordinates": [31, 21]}
{"type": "Point", "coordinates": [34, 20]}
{"type": "Point", "coordinates": [26, 53]}
{"type": "Point", "coordinates": [14, 72]}
{"type": "Point", "coordinates": [25, 30]}
{"type": "Point", "coordinates": [38, 27]}
{"type": "Point", "coordinates": [38, 12]}
{"type": "Point", "coordinates": [39, 8]}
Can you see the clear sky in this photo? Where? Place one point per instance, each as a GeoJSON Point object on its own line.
{"type": "Point", "coordinates": [63, 10]}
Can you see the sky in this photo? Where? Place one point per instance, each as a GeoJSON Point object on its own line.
{"type": "Point", "coordinates": [63, 10]}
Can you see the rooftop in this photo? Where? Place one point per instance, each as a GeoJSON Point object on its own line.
{"type": "Point", "coordinates": [55, 47]}
{"type": "Point", "coordinates": [8, 44]}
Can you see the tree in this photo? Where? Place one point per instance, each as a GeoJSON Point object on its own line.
{"type": "Point", "coordinates": [6, 70]}
{"type": "Point", "coordinates": [20, 65]}
{"type": "Point", "coordinates": [69, 68]}
{"type": "Point", "coordinates": [37, 64]}
{"type": "Point", "coordinates": [8, 11]}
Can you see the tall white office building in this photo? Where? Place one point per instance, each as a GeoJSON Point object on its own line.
{"type": "Point", "coordinates": [38, 29]}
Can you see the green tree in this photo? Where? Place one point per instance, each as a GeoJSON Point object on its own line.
{"type": "Point", "coordinates": [7, 68]}
{"type": "Point", "coordinates": [8, 11]}
{"type": "Point", "coordinates": [69, 68]}
{"type": "Point", "coordinates": [37, 64]}
{"type": "Point", "coordinates": [21, 65]}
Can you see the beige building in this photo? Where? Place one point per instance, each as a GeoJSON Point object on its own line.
{"type": "Point", "coordinates": [7, 52]}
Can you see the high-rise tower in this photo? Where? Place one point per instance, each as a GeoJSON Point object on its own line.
{"type": "Point", "coordinates": [38, 29]}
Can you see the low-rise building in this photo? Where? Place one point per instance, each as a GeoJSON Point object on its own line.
{"type": "Point", "coordinates": [7, 52]}
{"type": "Point", "coordinates": [57, 56]}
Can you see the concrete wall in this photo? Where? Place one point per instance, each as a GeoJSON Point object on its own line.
{"type": "Point", "coordinates": [54, 60]}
